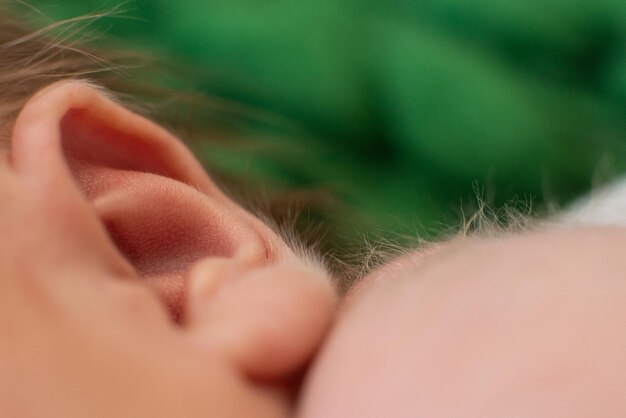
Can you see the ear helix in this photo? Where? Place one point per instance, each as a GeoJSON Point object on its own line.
{"type": "Point", "coordinates": [37, 158]}
{"type": "Point", "coordinates": [135, 179]}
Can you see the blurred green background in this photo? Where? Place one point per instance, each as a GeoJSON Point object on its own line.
{"type": "Point", "coordinates": [408, 107]}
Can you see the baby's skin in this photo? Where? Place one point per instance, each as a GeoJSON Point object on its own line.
{"type": "Point", "coordinates": [529, 325]}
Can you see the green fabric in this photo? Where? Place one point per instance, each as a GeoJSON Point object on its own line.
{"type": "Point", "coordinates": [411, 105]}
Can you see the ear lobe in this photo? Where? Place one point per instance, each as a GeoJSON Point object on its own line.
{"type": "Point", "coordinates": [79, 149]}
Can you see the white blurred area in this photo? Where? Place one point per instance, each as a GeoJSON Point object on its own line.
{"type": "Point", "coordinates": [604, 206]}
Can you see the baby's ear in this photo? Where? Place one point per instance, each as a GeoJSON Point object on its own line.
{"type": "Point", "coordinates": [106, 169]}
{"type": "Point", "coordinates": [268, 322]}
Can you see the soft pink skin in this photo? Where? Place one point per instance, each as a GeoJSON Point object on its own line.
{"type": "Point", "coordinates": [525, 326]}
{"type": "Point", "coordinates": [110, 231]}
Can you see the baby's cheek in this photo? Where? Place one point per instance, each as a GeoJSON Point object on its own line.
{"type": "Point", "coordinates": [369, 365]}
{"type": "Point", "coordinates": [521, 326]}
